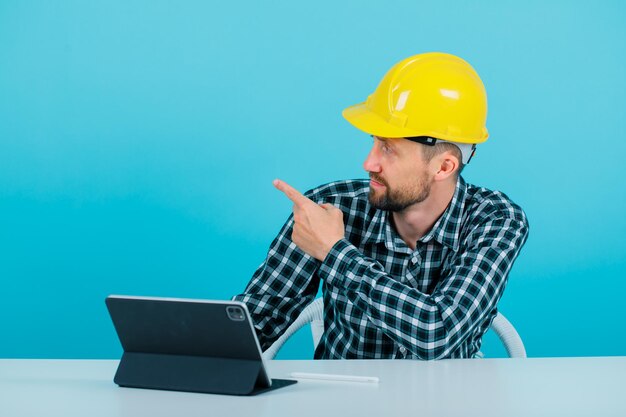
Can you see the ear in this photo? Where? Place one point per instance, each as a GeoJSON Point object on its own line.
{"type": "Point", "coordinates": [446, 164]}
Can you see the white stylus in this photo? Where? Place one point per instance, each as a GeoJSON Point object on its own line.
{"type": "Point", "coordinates": [334, 377]}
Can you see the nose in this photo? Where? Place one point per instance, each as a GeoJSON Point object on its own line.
{"type": "Point", "coordinates": [372, 162]}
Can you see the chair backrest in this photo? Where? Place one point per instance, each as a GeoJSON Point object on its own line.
{"type": "Point", "coordinates": [314, 314]}
{"type": "Point", "coordinates": [508, 336]}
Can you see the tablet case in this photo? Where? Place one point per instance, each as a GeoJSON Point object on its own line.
{"type": "Point", "coordinates": [188, 345]}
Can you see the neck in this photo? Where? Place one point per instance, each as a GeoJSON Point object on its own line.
{"type": "Point", "coordinates": [418, 219]}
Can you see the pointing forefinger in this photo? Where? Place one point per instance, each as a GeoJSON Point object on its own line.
{"type": "Point", "coordinates": [291, 193]}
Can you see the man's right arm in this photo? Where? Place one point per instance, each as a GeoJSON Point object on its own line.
{"type": "Point", "coordinates": [283, 285]}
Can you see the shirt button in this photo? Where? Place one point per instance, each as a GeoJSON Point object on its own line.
{"type": "Point", "coordinates": [402, 350]}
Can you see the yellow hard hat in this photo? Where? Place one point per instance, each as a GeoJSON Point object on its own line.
{"type": "Point", "coordinates": [434, 94]}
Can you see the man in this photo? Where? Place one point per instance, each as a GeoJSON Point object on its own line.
{"type": "Point", "coordinates": [414, 261]}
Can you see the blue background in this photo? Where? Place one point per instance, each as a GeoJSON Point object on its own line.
{"type": "Point", "coordinates": [138, 141]}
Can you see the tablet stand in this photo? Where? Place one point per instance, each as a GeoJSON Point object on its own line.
{"type": "Point", "coordinates": [194, 374]}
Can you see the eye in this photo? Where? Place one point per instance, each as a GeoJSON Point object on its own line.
{"type": "Point", "coordinates": [386, 148]}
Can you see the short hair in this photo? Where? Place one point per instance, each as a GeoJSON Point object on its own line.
{"type": "Point", "coordinates": [430, 151]}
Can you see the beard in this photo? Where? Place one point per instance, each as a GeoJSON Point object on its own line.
{"type": "Point", "coordinates": [400, 198]}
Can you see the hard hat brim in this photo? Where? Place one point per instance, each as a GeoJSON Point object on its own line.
{"type": "Point", "coordinates": [364, 119]}
{"type": "Point", "coordinates": [361, 117]}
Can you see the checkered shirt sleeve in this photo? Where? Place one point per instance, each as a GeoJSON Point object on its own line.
{"type": "Point", "coordinates": [283, 285]}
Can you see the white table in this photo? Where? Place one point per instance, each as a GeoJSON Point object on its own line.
{"type": "Point", "coordinates": [476, 387]}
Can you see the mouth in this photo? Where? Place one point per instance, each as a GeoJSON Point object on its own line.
{"type": "Point", "coordinates": [375, 184]}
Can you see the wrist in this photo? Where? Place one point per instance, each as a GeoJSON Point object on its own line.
{"type": "Point", "coordinates": [329, 247]}
{"type": "Point", "coordinates": [338, 261]}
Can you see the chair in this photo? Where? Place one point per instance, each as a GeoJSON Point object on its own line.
{"type": "Point", "coordinates": [314, 314]}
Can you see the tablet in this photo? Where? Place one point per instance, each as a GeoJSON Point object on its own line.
{"type": "Point", "coordinates": [189, 345]}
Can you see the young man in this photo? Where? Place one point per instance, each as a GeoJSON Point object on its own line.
{"type": "Point", "coordinates": [414, 261]}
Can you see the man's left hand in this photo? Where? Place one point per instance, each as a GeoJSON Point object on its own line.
{"type": "Point", "coordinates": [317, 227]}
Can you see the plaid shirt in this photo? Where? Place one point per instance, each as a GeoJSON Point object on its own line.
{"type": "Point", "coordinates": [383, 300]}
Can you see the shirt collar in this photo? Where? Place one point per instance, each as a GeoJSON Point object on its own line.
{"type": "Point", "coordinates": [446, 230]}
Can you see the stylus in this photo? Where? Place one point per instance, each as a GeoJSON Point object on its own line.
{"type": "Point", "coordinates": [334, 377]}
